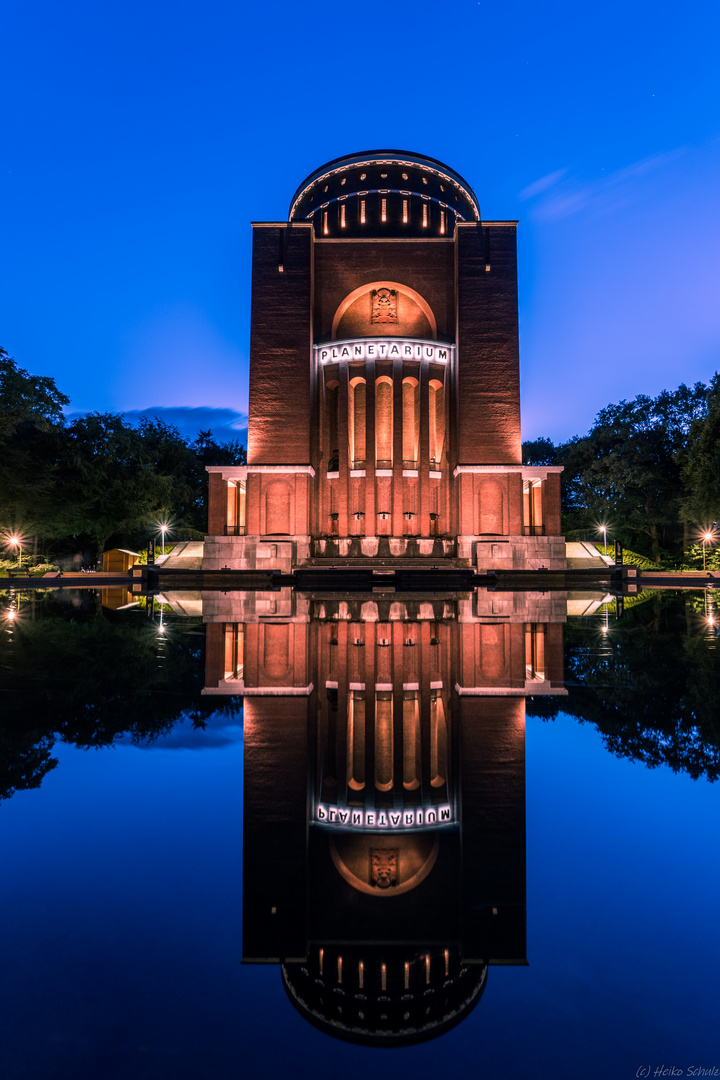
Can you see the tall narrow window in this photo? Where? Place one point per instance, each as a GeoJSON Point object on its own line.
{"type": "Point", "coordinates": [325, 224]}
{"type": "Point", "coordinates": [383, 741]}
{"type": "Point", "coordinates": [411, 421]}
{"type": "Point", "coordinates": [437, 422]}
{"type": "Point", "coordinates": [405, 211]}
{"type": "Point", "coordinates": [442, 221]}
{"type": "Point", "coordinates": [342, 215]}
{"type": "Point", "coordinates": [383, 421]}
{"type": "Point", "coordinates": [356, 421]}
{"type": "Point", "coordinates": [383, 209]}
{"type": "Point", "coordinates": [356, 741]}
{"type": "Point", "coordinates": [425, 215]}
{"type": "Point", "coordinates": [362, 211]}
{"type": "Point", "coordinates": [411, 741]}
{"type": "Point", "coordinates": [331, 404]}
{"type": "Point", "coordinates": [438, 742]}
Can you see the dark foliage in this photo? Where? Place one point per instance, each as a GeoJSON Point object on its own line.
{"type": "Point", "coordinates": [650, 685]}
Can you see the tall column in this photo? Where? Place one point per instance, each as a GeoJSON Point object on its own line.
{"type": "Point", "coordinates": [343, 480]}
{"type": "Point", "coordinates": [424, 451]}
{"type": "Point", "coordinates": [370, 500]}
{"type": "Point", "coordinates": [397, 469]}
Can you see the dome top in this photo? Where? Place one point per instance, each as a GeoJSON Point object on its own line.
{"type": "Point", "coordinates": [380, 193]}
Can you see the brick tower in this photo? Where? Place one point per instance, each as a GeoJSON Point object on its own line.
{"type": "Point", "coordinates": [384, 417]}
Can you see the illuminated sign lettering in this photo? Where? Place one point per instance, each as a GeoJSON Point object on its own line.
{"type": "Point", "coordinates": [384, 349]}
{"type": "Point", "coordinates": [348, 817]}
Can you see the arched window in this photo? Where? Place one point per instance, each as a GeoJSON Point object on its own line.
{"type": "Point", "coordinates": [437, 421]}
{"type": "Point", "coordinates": [411, 420]}
{"type": "Point", "coordinates": [277, 508]}
{"type": "Point", "coordinates": [356, 421]}
{"type": "Point", "coordinates": [383, 421]}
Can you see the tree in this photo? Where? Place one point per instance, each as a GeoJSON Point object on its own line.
{"type": "Point", "coordinates": [27, 399]}
{"type": "Point", "coordinates": [701, 466]}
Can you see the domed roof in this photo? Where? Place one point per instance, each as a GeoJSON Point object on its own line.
{"type": "Point", "coordinates": [384, 193]}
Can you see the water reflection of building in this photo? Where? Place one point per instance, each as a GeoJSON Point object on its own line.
{"type": "Point", "coordinates": [384, 844]}
{"type": "Point", "coordinates": [384, 407]}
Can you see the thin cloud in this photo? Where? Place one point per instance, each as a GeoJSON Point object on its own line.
{"type": "Point", "coordinates": [545, 182]}
{"type": "Point", "coordinates": [609, 192]}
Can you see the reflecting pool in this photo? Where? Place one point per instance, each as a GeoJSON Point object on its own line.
{"type": "Point", "coordinates": [276, 833]}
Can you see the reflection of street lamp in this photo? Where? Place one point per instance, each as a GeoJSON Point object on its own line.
{"type": "Point", "coordinates": [603, 530]}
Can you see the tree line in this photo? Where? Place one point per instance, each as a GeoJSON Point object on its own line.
{"type": "Point", "coordinates": [95, 481]}
{"type": "Point", "coordinates": [649, 469]}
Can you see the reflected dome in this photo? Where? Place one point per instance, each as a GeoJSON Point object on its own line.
{"type": "Point", "coordinates": [384, 995]}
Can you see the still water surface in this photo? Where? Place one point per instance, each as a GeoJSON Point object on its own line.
{"type": "Point", "coordinates": [587, 844]}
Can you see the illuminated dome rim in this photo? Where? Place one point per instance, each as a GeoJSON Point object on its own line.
{"type": "Point", "coordinates": [385, 157]}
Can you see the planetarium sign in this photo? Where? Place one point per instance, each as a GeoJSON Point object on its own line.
{"type": "Point", "coordinates": [392, 820]}
{"type": "Point", "coordinates": [384, 349]}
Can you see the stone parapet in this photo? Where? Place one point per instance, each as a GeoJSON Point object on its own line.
{"type": "Point", "coordinates": [256, 552]}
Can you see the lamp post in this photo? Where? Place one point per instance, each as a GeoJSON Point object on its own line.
{"type": "Point", "coordinates": [706, 536]}
{"type": "Point", "coordinates": [15, 542]}
{"type": "Point", "coordinates": [163, 530]}
{"type": "Point", "coordinates": [603, 530]}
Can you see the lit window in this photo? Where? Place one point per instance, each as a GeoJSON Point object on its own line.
{"type": "Point", "coordinates": [362, 211]}
{"type": "Point", "coordinates": [424, 215]}
{"type": "Point", "coordinates": [363, 175]}
{"type": "Point", "coordinates": [325, 227]}
{"type": "Point", "coordinates": [342, 217]}
{"type": "Point", "coordinates": [405, 213]}
{"type": "Point", "coordinates": [442, 221]}
{"type": "Point", "coordinates": [342, 182]}
{"type": "Point", "coordinates": [424, 181]}
{"type": "Point", "coordinates": [383, 209]}
{"type": "Point", "coordinates": [383, 175]}
{"type": "Point", "coordinates": [404, 176]}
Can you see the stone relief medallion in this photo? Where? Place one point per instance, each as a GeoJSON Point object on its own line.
{"type": "Point", "coordinates": [383, 867]}
{"type": "Point", "coordinates": [383, 306]}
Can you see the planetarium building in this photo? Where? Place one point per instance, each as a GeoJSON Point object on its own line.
{"type": "Point", "coordinates": [384, 413]}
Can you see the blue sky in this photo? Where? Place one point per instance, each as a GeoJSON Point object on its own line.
{"type": "Point", "coordinates": [139, 141]}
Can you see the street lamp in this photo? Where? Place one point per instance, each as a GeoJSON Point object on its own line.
{"type": "Point", "coordinates": [163, 530]}
{"type": "Point", "coordinates": [603, 530]}
{"type": "Point", "coordinates": [14, 541]}
{"type": "Point", "coordinates": [706, 537]}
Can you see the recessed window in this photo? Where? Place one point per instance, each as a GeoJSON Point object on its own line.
{"type": "Point", "coordinates": [342, 216]}
{"type": "Point", "coordinates": [383, 175]}
{"type": "Point", "coordinates": [442, 186]}
{"type": "Point", "coordinates": [342, 182]}
{"type": "Point", "coordinates": [442, 221]}
{"type": "Point", "coordinates": [362, 211]}
{"type": "Point", "coordinates": [424, 181]}
{"type": "Point", "coordinates": [405, 211]}
{"type": "Point", "coordinates": [383, 209]}
{"type": "Point", "coordinates": [363, 175]}
{"type": "Point", "coordinates": [425, 216]}
{"type": "Point", "coordinates": [404, 176]}
{"type": "Point", "coordinates": [325, 188]}
{"type": "Point", "coordinates": [325, 224]}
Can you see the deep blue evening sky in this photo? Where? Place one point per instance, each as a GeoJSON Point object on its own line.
{"type": "Point", "coordinates": [139, 141]}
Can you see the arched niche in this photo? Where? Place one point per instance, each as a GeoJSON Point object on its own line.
{"type": "Point", "coordinates": [384, 309]}
{"type": "Point", "coordinates": [400, 861]}
{"type": "Point", "coordinates": [277, 508]}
